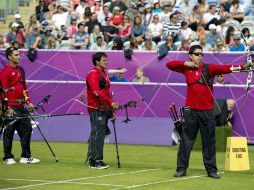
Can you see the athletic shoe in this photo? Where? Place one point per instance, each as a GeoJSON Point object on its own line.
{"type": "Point", "coordinates": [98, 165]}
{"type": "Point", "coordinates": [30, 160]}
{"type": "Point", "coordinates": [9, 161]}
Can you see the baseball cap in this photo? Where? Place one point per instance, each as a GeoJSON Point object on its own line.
{"type": "Point", "coordinates": [17, 16]}
{"type": "Point", "coordinates": [212, 27]}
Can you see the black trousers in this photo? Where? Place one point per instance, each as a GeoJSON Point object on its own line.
{"type": "Point", "coordinates": [99, 122]}
{"type": "Point", "coordinates": [193, 121]}
{"type": "Point", "coordinates": [24, 129]}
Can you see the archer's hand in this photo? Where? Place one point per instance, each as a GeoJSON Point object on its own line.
{"type": "Point", "coordinates": [114, 105]}
{"type": "Point", "coordinates": [31, 106]}
{"type": "Point", "coordinates": [10, 112]}
{"type": "Point", "coordinates": [192, 65]}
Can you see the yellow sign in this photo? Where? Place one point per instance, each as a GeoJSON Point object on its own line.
{"type": "Point", "coordinates": [237, 157]}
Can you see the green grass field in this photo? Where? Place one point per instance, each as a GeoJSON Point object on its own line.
{"type": "Point", "coordinates": [142, 167]}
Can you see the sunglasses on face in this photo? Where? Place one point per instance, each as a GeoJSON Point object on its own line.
{"type": "Point", "coordinates": [198, 54]}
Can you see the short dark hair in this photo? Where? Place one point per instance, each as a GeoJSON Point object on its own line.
{"type": "Point", "coordinates": [97, 57]}
{"type": "Point", "coordinates": [99, 37]}
{"type": "Point", "coordinates": [9, 51]}
{"type": "Point", "coordinates": [80, 24]}
{"type": "Point", "coordinates": [194, 47]}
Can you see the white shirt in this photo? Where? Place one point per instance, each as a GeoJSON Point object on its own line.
{"type": "Point", "coordinates": [60, 19]}
{"type": "Point", "coordinates": [240, 9]}
{"type": "Point", "coordinates": [155, 29]}
{"type": "Point", "coordinates": [208, 17]}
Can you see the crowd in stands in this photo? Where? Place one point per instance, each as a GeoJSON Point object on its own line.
{"type": "Point", "coordinates": [142, 25]}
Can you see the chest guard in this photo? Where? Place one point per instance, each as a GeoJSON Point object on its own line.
{"type": "Point", "coordinates": [102, 83]}
{"type": "Point", "coordinates": [205, 77]}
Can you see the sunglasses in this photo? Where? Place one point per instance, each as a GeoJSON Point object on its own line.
{"type": "Point", "coordinates": [198, 54]}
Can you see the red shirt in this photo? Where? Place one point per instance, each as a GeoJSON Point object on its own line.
{"type": "Point", "coordinates": [94, 93]}
{"type": "Point", "coordinates": [11, 78]}
{"type": "Point", "coordinates": [199, 96]}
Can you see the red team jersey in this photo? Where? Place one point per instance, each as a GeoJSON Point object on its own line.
{"type": "Point", "coordinates": [199, 96]}
{"type": "Point", "coordinates": [98, 97]}
{"type": "Point", "coordinates": [12, 78]}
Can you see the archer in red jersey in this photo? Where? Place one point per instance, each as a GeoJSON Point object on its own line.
{"type": "Point", "coordinates": [199, 111]}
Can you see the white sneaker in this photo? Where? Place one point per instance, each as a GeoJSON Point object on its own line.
{"type": "Point", "coordinates": [10, 161]}
{"type": "Point", "coordinates": [30, 160]}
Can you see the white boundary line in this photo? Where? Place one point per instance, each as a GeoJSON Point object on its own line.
{"type": "Point", "coordinates": [165, 181]}
{"type": "Point", "coordinates": [47, 181]}
{"type": "Point", "coordinates": [71, 180]}
{"type": "Point", "coordinates": [133, 83]}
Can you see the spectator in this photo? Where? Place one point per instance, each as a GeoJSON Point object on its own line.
{"type": "Point", "coordinates": [134, 45]}
{"type": "Point", "coordinates": [34, 40]}
{"type": "Point", "coordinates": [117, 44]}
{"type": "Point", "coordinates": [140, 76]}
{"type": "Point", "coordinates": [220, 47]}
{"type": "Point", "coordinates": [222, 28]}
{"type": "Point", "coordinates": [87, 14]}
{"type": "Point", "coordinates": [111, 73]}
{"type": "Point", "coordinates": [52, 9]}
{"type": "Point", "coordinates": [81, 8]}
{"type": "Point", "coordinates": [148, 46]}
{"type": "Point", "coordinates": [92, 22]}
{"type": "Point", "coordinates": [117, 17]}
{"type": "Point", "coordinates": [223, 12]}
{"type": "Point", "coordinates": [41, 9]}
{"type": "Point", "coordinates": [52, 44]}
{"type": "Point", "coordinates": [155, 29]}
{"type": "Point", "coordinates": [195, 18]}
{"type": "Point", "coordinates": [186, 8]}
{"type": "Point", "coordinates": [125, 29]}
{"type": "Point", "coordinates": [229, 38]}
{"type": "Point", "coordinates": [213, 35]}
{"type": "Point", "coordinates": [17, 19]}
{"type": "Point", "coordinates": [102, 16]}
{"type": "Point", "coordinates": [185, 32]}
{"type": "Point", "coordinates": [133, 12]}
{"type": "Point", "coordinates": [172, 27]}
{"type": "Point", "coordinates": [120, 77]}
{"type": "Point", "coordinates": [211, 17]}
{"type": "Point", "coordinates": [118, 3]}
{"type": "Point", "coordinates": [203, 43]}
{"type": "Point", "coordinates": [237, 11]}
{"type": "Point", "coordinates": [221, 80]}
{"type": "Point", "coordinates": [185, 46]}
{"type": "Point", "coordinates": [138, 30]}
{"type": "Point", "coordinates": [203, 6]}
{"type": "Point", "coordinates": [32, 21]}
{"type": "Point", "coordinates": [60, 18]}
{"type": "Point", "coordinates": [99, 45]}
{"type": "Point", "coordinates": [17, 34]}
{"type": "Point", "coordinates": [167, 10]}
{"type": "Point", "coordinates": [73, 28]}
{"type": "Point", "coordinates": [169, 45]}
{"type": "Point", "coordinates": [238, 45]}
{"type": "Point", "coordinates": [96, 32]}
{"type": "Point", "coordinates": [109, 30]}
{"type": "Point", "coordinates": [200, 32]}
{"type": "Point", "coordinates": [247, 37]}
{"type": "Point", "coordinates": [75, 4]}
{"type": "Point", "coordinates": [46, 36]}
{"type": "Point", "coordinates": [148, 15]}
{"type": "Point", "coordinates": [96, 7]}
{"type": "Point", "coordinates": [62, 34]}
{"type": "Point", "coordinates": [80, 39]}
{"type": "Point", "coordinates": [156, 9]}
